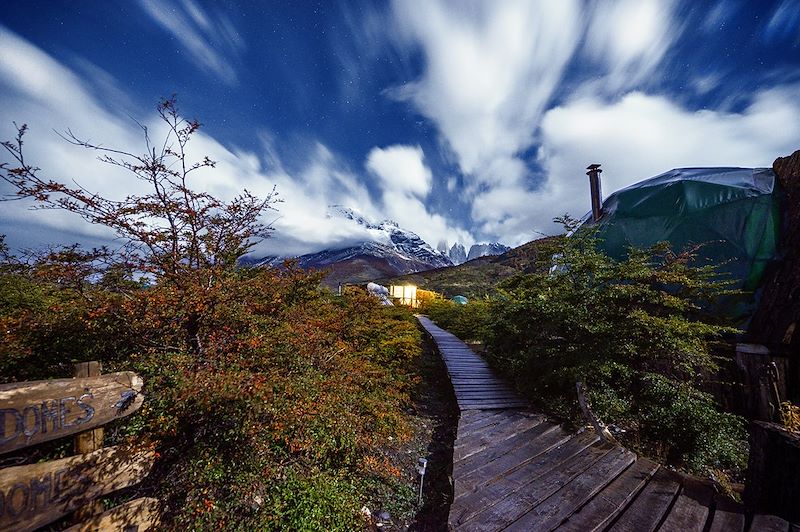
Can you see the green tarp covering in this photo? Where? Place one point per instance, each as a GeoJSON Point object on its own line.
{"type": "Point", "coordinates": [733, 211]}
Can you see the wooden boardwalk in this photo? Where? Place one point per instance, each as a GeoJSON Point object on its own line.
{"type": "Point", "coordinates": [514, 470]}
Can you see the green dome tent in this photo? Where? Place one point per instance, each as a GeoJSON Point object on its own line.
{"type": "Point", "coordinates": [460, 300]}
{"type": "Point", "coordinates": [735, 212]}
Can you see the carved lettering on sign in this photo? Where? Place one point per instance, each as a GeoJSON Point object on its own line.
{"type": "Point", "coordinates": [34, 495]}
{"type": "Point", "coordinates": [39, 411]}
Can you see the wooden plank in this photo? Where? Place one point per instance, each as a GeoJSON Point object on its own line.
{"type": "Point", "coordinates": [561, 504]}
{"type": "Point", "coordinates": [471, 401]}
{"type": "Point", "coordinates": [37, 494]}
{"type": "Point", "coordinates": [728, 515]}
{"type": "Point", "coordinates": [487, 397]}
{"type": "Point", "coordinates": [494, 418]}
{"type": "Point", "coordinates": [601, 509]}
{"type": "Point", "coordinates": [479, 440]}
{"type": "Point", "coordinates": [494, 406]}
{"type": "Point", "coordinates": [482, 386]}
{"type": "Point", "coordinates": [647, 510]}
{"type": "Point", "coordinates": [520, 501]}
{"type": "Point", "coordinates": [769, 523]}
{"type": "Point", "coordinates": [691, 509]}
{"type": "Point", "coordinates": [137, 515]}
{"type": "Point", "coordinates": [479, 425]}
{"type": "Point", "coordinates": [517, 406]}
{"type": "Point", "coordinates": [484, 465]}
{"type": "Point", "coordinates": [496, 384]}
{"type": "Point", "coordinates": [39, 411]}
{"type": "Point", "coordinates": [465, 433]}
{"type": "Point", "coordinates": [472, 416]}
{"type": "Point", "coordinates": [486, 391]}
{"type": "Point", "coordinates": [469, 388]}
{"type": "Point", "coordinates": [503, 486]}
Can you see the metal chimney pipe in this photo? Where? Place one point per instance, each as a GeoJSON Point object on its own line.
{"type": "Point", "coordinates": [595, 190]}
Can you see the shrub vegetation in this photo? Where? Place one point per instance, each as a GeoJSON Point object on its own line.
{"type": "Point", "coordinates": [271, 403]}
{"type": "Point", "coordinates": [637, 332]}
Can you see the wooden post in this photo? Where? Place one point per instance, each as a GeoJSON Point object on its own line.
{"type": "Point", "coordinates": [598, 425]}
{"type": "Point", "coordinates": [773, 484]}
{"type": "Point", "coordinates": [89, 441]}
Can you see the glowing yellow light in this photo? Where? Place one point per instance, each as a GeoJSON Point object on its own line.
{"type": "Point", "coordinates": [406, 294]}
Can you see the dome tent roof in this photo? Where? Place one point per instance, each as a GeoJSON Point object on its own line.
{"type": "Point", "coordinates": [734, 212]}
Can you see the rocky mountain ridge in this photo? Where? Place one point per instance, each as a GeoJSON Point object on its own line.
{"type": "Point", "coordinates": [391, 251]}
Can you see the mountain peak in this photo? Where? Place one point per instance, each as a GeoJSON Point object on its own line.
{"type": "Point", "coordinates": [388, 250]}
{"type": "Point", "coordinates": [482, 250]}
{"type": "Point", "coordinates": [457, 253]}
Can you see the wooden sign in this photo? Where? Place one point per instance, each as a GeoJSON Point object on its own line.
{"type": "Point", "coordinates": [137, 515]}
{"type": "Point", "coordinates": [33, 495]}
{"type": "Point", "coordinates": [38, 411]}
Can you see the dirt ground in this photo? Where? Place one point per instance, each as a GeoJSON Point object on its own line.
{"type": "Point", "coordinates": [435, 404]}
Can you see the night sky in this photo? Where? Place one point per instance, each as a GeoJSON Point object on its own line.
{"type": "Point", "coordinates": [463, 121]}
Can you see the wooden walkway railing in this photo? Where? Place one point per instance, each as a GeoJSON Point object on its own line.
{"type": "Point", "coordinates": [514, 470]}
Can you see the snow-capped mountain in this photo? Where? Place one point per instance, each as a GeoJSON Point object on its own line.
{"type": "Point", "coordinates": [482, 250]}
{"type": "Point", "coordinates": [391, 251]}
{"type": "Point", "coordinates": [457, 253]}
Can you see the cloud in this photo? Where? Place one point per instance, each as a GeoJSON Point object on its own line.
{"type": "Point", "coordinates": [490, 69]}
{"type": "Point", "coordinates": [213, 42]}
{"type": "Point", "coordinates": [784, 22]}
{"type": "Point", "coordinates": [401, 169]}
{"type": "Point", "coordinates": [405, 181]}
{"type": "Point", "coordinates": [630, 38]}
{"type": "Point", "coordinates": [641, 135]}
{"type": "Point", "coordinates": [28, 95]}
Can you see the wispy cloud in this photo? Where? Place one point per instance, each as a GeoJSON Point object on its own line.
{"type": "Point", "coordinates": [630, 38]}
{"type": "Point", "coordinates": [784, 22]}
{"type": "Point", "coordinates": [406, 182]}
{"type": "Point", "coordinates": [641, 135]}
{"type": "Point", "coordinates": [491, 71]}
{"type": "Point", "coordinates": [28, 95]}
{"type": "Point", "coordinates": [212, 41]}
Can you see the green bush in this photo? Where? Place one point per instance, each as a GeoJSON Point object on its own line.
{"type": "Point", "coordinates": [636, 332]}
{"type": "Point", "coordinates": [468, 322]}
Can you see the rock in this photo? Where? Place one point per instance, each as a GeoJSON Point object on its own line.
{"type": "Point", "coordinates": [775, 320]}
